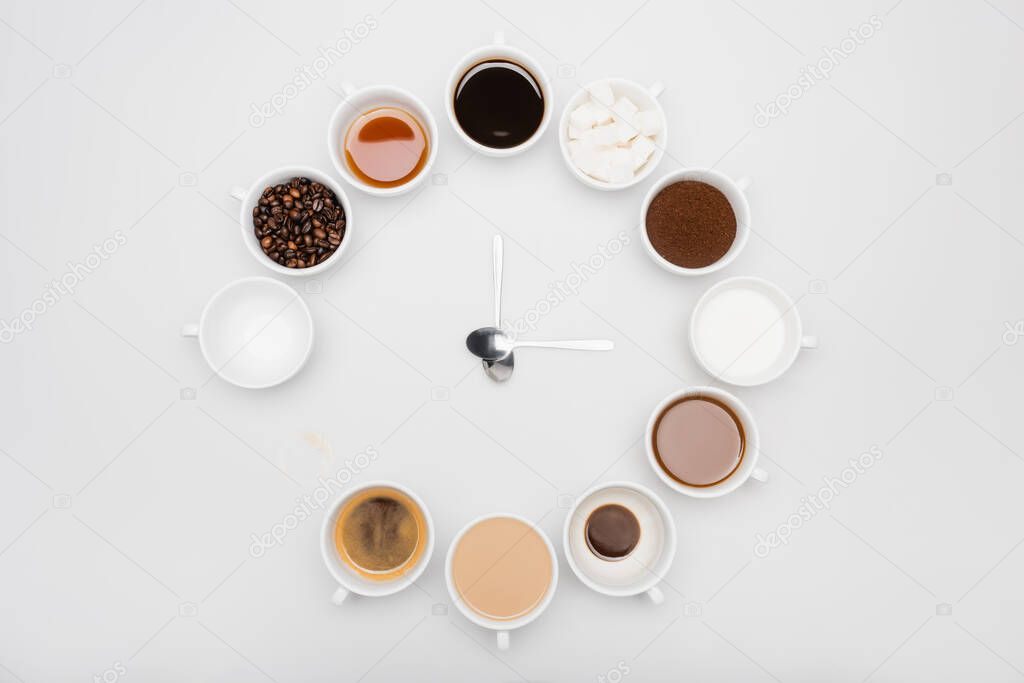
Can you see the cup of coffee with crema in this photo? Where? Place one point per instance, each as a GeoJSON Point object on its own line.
{"type": "Point", "coordinates": [703, 442]}
{"type": "Point", "coordinates": [376, 540]}
{"type": "Point", "coordinates": [382, 139]}
{"type": "Point", "coordinates": [619, 539]}
{"type": "Point", "coordinates": [498, 99]}
{"type": "Point", "coordinates": [501, 572]}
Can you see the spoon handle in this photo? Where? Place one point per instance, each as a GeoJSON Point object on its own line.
{"type": "Point", "coordinates": [497, 280]}
{"type": "Point", "coordinates": [574, 344]}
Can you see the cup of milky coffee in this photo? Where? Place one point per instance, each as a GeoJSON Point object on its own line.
{"type": "Point", "coordinates": [501, 572]}
{"type": "Point", "coordinates": [619, 539]}
{"type": "Point", "coordinates": [703, 442]}
{"type": "Point", "coordinates": [376, 540]}
{"type": "Point", "coordinates": [382, 139]}
{"type": "Point", "coordinates": [695, 221]}
{"type": "Point", "coordinates": [498, 99]}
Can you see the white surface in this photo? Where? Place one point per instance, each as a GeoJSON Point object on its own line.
{"type": "Point", "coordinates": [919, 280]}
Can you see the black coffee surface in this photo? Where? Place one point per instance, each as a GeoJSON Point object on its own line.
{"type": "Point", "coordinates": [612, 531]}
{"type": "Point", "coordinates": [499, 104]}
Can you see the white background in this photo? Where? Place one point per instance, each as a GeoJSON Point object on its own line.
{"type": "Point", "coordinates": [126, 513]}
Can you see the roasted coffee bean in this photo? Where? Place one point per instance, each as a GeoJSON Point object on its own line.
{"type": "Point", "coordinates": [299, 224]}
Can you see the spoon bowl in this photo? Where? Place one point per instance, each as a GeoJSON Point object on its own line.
{"type": "Point", "coordinates": [489, 343]}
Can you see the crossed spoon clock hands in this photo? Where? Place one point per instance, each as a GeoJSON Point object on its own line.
{"type": "Point", "coordinates": [494, 346]}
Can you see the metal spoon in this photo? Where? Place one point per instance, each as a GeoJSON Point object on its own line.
{"type": "Point", "coordinates": [498, 370]}
{"type": "Point", "coordinates": [490, 343]}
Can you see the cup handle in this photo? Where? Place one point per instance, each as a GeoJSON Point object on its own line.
{"type": "Point", "coordinates": [503, 642]}
{"type": "Point", "coordinates": [759, 474]}
{"type": "Point", "coordinates": [190, 330]}
{"type": "Point", "coordinates": [499, 39]}
{"type": "Point", "coordinates": [339, 596]}
{"type": "Point", "coordinates": [656, 596]}
{"type": "Point", "coordinates": [656, 89]}
{"type": "Point", "coordinates": [237, 192]}
{"type": "Point", "coordinates": [743, 183]}
{"type": "Point", "coordinates": [809, 341]}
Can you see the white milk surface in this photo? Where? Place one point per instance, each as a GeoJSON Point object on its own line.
{"type": "Point", "coordinates": [740, 333]}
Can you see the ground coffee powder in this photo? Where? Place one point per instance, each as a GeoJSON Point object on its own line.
{"type": "Point", "coordinates": [691, 224]}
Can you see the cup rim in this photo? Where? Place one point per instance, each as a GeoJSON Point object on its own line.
{"type": "Point", "coordinates": [750, 457]}
{"type": "Point", "coordinates": [793, 352]}
{"type": "Point", "coordinates": [498, 49]}
{"type": "Point", "coordinates": [242, 282]}
{"type": "Point", "coordinates": [668, 551]}
{"type": "Point", "coordinates": [334, 134]}
{"type": "Point", "coordinates": [741, 211]}
{"type": "Point", "coordinates": [329, 553]}
{"type": "Point", "coordinates": [563, 137]}
{"type": "Point", "coordinates": [468, 612]}
{"type": "Point", "coordinates": [252, 196]}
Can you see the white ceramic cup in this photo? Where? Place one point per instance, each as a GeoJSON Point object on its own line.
{"type": "Point", "coordinates": [350, 581]}
{"type": "Point", "coordinates": [653, 574]}
{"type": "Point", "coordinates": [358, 101]}
{"type": "Point", "coordinates": [646, 99]}
{"type": "Point", "coordinates": [747, 469]}
{"type": "Point", "coordinates": [733, 191]}
{"type": "Point", "coordinates": [282, 175]}
{"type": "Point", "coordinates": [501, 628]}
{"type": "Point", "coordinates": [255, 332]}
{"type": "Point", "coordinates": [498, 50]}
{"type": "Point", "coordinates": [793, 337]}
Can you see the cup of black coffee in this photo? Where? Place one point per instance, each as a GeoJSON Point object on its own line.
{"type": "Point", "coordinates": [498, 99]}
{"type": "Point", "coordinates": [703, 442]}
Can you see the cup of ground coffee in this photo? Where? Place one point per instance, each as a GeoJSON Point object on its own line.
{"type": "Point", "coordinates": [695, 221]}
{"type": "Point", "coordinates": [703, 442]}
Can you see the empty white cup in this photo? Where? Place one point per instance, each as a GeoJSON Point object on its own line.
{"type": "Point", "coordinates": [255, 332]}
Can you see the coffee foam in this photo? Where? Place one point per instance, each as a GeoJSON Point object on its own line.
{"type": "Point", "coordinates": [636, 567]}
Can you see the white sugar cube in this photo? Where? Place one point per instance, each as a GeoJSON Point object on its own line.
{"type": "Point", "coordinates": [584, 116]}
{"type": "Point", "coordinates": [602, 136]}
{"type": "Point", "coordinates": [641, 150]}
{"type": "Point", "coordinates": [620, 165]}
{"type": "Point", "coordinates": [602, 93]}
{"type": "Point", "coordinates": [624, 132]}
{"type": "Point", "coordinates": [648, 122]}
{"type": "Point", "coordinates": [574, 132]}
{"type": "Point", "coordinates": [574, 148]}
{"type": "Point", "coordinates": [624, 109]}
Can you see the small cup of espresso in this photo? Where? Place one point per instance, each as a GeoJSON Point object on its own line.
{"type": "Point", "coordinates": [376, 540]}
{"type": "Point", "coordinates": [498, 99]}
{"type": "Point", "coordinates": [382, 139]}
{"type": "Point", "coordinates": [703, 442]}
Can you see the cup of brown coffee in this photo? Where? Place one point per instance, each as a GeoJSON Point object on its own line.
{"type": "Point", "coordinates": [703, 442]}
{"type": "Point", "coordinates": [376, 540]}
{"type": "Point", "coordinates": [501, 572]}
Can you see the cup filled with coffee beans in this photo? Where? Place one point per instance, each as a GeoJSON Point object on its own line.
{"type": "Point", "coordinates": [695, 221]}
{"type": "Point", "coordinates": [295, 220]}
{"type": "Point", "coordinates": [703, 442]}
{"type": "Point", "coordinates": [498, 99]}
{"type": "Point", "coordinates": [382, 139]}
